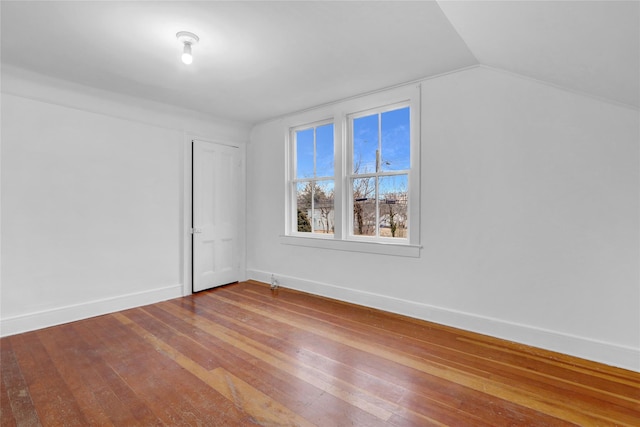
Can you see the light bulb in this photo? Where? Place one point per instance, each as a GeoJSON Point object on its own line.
{"type": "Point", "coordinates": [187, 39]}
{"type": "Point", "coordinates": [187, 58]}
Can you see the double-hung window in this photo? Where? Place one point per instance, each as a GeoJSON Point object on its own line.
{"type": "Point", "coordinates": [314, 181]}
{"type": "Point", "coordinates": [380, 148]}
{"type": "Point", "coordinates": [353, 179]}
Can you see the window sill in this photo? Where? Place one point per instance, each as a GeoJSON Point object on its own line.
{"type": "Point", "coordinates": [394, 249]}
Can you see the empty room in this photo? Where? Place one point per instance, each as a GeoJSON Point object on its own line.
{"type": "Point", "coordinates": [320, 213]}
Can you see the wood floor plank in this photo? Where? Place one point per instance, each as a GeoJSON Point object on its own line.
{"type": "Point", "coordinates": [428, 386]}
{"type": "Point", "coordinates": [354, 396]}
{"type": "Point", "coordinates": [386, 389]}
{"type": "Point", "coordinates": [434, 388]}
{"type": "Point", "coordinates": [271, 358]}
{"type": "Point", "coordinates": [53, 400]}
{"type": "Point", "coordinates": [259, 406]}
{"type": "Point", "coordinates": [105, 352]}
{"type": "Point", "coordinates": [76, 370]}
{"type": "Point", "coordinates": [406, 328]}
{"type": "Point", "coordinates": [243, 355]}
{"type": "Point", "coordinates": [309, 402]}
{"type": "Point", "coordinates": [510, 372]}
{"type": "Point", "coordinates": [397, 324]}
{"type": "Point", "coordinates": [157, 384]}
{"type": "Point", "coordinates": [229, 360]}
{"type": "Point", "coordinates": [545, 401]}
{"type": "Point", "coordinates": [116, 398]}
{"type": "Point", "coordinates": [6, 413]}
{"type": "Point", "coordinates": [17, 408]}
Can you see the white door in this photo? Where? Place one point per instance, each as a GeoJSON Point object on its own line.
{"type": "Point", "coordinates": [216, 185]}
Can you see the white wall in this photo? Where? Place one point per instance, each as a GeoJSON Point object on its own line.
{"type": "Point", "coordinates": [93, 200]}
{"type": "Point", "coordinates": [529, 220]}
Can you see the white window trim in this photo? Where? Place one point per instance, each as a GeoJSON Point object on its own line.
{"type": "Point", "coordinates": [377, 247]}
{"type": "Point", "coordinates": [339, 113]}
{"type": "Point", "coordinates": [291, 194]}
{"type": "Point", "coordinates": [349, 175]}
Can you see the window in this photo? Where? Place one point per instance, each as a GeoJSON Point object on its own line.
{"type": "Point", "coordinates": [314, 179]}
{"type": "Point", "coordinates": [353, 179]}
{"type": "Point", "coordinates": [380, 144]}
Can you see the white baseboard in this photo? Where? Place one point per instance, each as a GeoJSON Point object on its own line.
{"type": "Point", "coordinates": [586, 348]}
{"type": "Point", "coordinates": [57, 316]}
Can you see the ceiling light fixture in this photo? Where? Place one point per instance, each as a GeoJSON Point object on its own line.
{"type": "Point", "coordinates": [188, 39]}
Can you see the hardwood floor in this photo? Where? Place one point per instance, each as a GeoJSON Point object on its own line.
{"type": "Point", "coordinates": [244, 355]}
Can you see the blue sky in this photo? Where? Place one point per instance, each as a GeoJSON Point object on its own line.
{"type": "Point", "coordinates": [395, 141]}
{"type": "Point", "coordinates": [395, 147]}
{"type": "Point", "coordinates": [324, 152]}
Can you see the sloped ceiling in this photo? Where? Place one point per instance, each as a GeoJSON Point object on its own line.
{"type": "Point", "coordinates": [258, 60]}
{"type": "Point", "coordinates": [591, 47]}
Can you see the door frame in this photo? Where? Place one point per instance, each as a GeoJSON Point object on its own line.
{"type": "Point", "coordinates": [186, 214]}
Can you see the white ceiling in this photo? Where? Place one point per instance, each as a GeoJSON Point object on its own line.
{"type": "Point", "coordinates": [258, 60]}
{"type": "Point", "coordinates": [588, 46]}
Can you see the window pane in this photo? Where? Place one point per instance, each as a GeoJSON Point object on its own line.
{"type": "Point", "coordinates": [392, 205]}
{"type": "Point", "coordinates": [324, 150]}
{"type": "Point", "coordinates": [364, 206]}
{"type": "Point", "coordinates": [303, 206]}
{"type": "Point", "coordinates": [365, 143]}
{"type": "Point", "coordinates": [395, 140]}
{"type": "Point", "coordinates": [304, 153]}
{"type": "Point", "coordinates": [323, 213]}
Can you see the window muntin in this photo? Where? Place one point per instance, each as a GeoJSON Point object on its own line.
{"type": "Point", "coordinates": [380, 142]}
{"type": "Point", "coordinates": [314, 184]}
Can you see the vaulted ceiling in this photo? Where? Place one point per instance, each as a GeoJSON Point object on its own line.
{"type": "Point", "coordinates": [262, 59]}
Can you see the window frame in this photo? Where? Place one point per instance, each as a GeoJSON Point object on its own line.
{"type": "Point", "coordinates": [293, 180]}
{"type": "Point", "coordinates": [351, 175]}
{"type": "Point", "coordinates": [340, 113]}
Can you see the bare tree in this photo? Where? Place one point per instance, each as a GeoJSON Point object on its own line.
{"type": "Point", "coordinates": [364, 190]}
{"type": "Point", "coordinates": [364, 205]}
{"type": "Point", "coordinates": [323, 204]}
{"type": "Point", "coordinates": [303, 222]}
{"type": "Point", "coordinates": [323, 201]}
{"type": "Point", "coordinates": [395, 205]}
{"type": "Point", "coordinates": [392, 223]}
